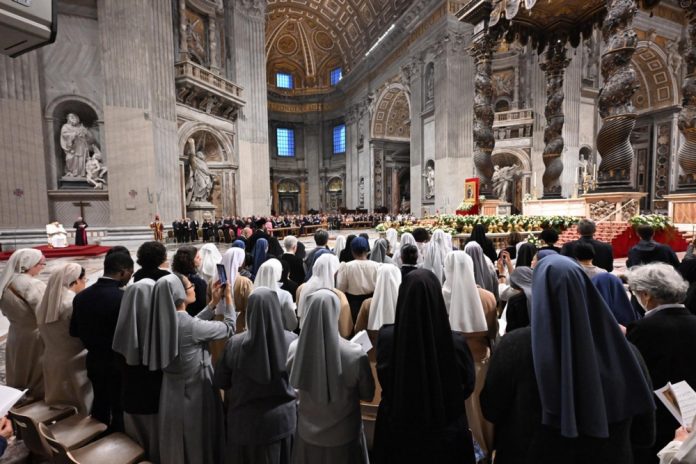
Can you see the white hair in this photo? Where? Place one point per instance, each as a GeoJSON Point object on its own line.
{"type": "Point", "coordinates": [659, 280]}
{"type": "Point", "coordinates": [290, 242]}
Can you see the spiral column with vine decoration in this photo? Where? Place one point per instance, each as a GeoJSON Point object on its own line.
{"type": "Point", "coordinates": [687, 116]}
{"type": "Point", "coordinates": [554, 68]}
{"type": "Point", "coordinates": [615, 97]}
{"type": "Point", "coordinates": [484, 140]}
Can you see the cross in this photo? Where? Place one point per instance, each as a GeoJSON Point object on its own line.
{"type": "Point", "coordinates": [82, 205]}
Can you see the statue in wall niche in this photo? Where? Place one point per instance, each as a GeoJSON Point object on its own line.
{"type": "Point", "coordinates": [429, 176]}
{"type": "Point", "coordinates": [200, 181]}
{"type": "Point", "coordinates": [76, 141]}
{"type": "Point", "coordinates": [502, 179]}
{"type": "Point", "coordinates": [589, 70]}
{"type": "Point", "coordinates": [674, 58]}
{"type": "Point", "coordinates": [96, 171]}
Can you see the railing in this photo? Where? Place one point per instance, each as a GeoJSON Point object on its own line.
{"type": "Point", "coordinates": [614, 213]}
{"type": "Point", "coordinates": [191, 70]}
{"type": "Point", "coordinates": [507, 118]}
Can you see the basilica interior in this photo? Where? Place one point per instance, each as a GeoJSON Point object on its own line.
{"type": "Point", "coordinates": [296, 106]}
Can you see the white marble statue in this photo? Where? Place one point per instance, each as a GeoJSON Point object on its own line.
{"type": "Point", "coordinates": [57, 236]}
{"type": "Point", "coordinates": [96, 171]}
{"type": "Point", "coordinates": [75, 140]}
{"type": "Point", "coordinates": [201, 179]}
{"type": "Point", "coordinates": [502, 179]}
{"type": "Point", "coordinates": [429, 176]}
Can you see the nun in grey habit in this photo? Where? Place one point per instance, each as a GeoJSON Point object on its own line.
{"type": "Point", "coordinates": [332, 376]}
{"type": "Point", "coordinates": [261, 404]}
{"type": "Point", "coordinates": [190, 410]}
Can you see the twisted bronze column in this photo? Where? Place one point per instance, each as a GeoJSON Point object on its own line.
{"type": "Point", "coordinates": [554, 68]}
{"type": "Point", "coordinates": [484, 140]}
{"type": "Point", "coordinates": [615, 105]}
{"type": "Point", "coordinates": [687, 116]}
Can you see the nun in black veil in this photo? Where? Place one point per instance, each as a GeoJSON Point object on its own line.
{"type": "Point", "coordinates": [426, 372]}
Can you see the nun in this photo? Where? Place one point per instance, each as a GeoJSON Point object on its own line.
{"type": "Point", "coordinates": [260, 253]}
{"type": "Point", "coordinates": [570, 388]}
{"type": "Point", "coordinates": [332, 376]}
{"type": "Point", "coordinates": [472, 312]}
{"type": "Point", "coordinates": [525, 254]}
{"type": "Point", "coordinates": [484, 270]}
{"type": "Point", "coordinates": [426, 373]}
{"type": "Point", "coordinates": [240, 286]}
{"type": "Point", "coordinates": [392, 239]}
{"type": "Point", "coordinates": [435, 252]}
{"type": "Point", "coordinates": [20, 295]}
{"type": "Point", "coordinates": [210, 258]}
{"type": "Point", "coordinates": [190, 410]}
{"type": "Point", "coordinates": [64, 369]}
{"type": "Point", "coordinates": [612, 290]}
{"type": "Point", "coordinates": [261, 405]}
{"type": "Point", "coordinates": [379, 252]}
{"type": "Point", "coordinates": [518, 310]}
{"type": "Point", "coordinates": [406, 239]}
{"type": "Point", "coordinates": [340, 245]}
{"type": "Point", "coordinates": [141, 377]}
{"type": "Point", "coordinates": [323, 276]}
{"type": "Point", "coordinates": [381, 307]}
{"type": "Point", "coordinates": [269, 276]}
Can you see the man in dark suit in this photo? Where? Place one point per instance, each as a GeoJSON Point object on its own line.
{"type": "Point", "coordinates": [193, 229]}
{"type": "Point", "coordinates": [226, 226]}
{"type": "Point", "coordinates": [649, 251]}
{"type": "Point", "coordinates": [176, 228]}
{"type": "Point", "coordinates": [409, 259]}
{"type": "Point", "coordinates": [604, 256]}
{"type": "Point", "coordinates": [94, 317]}
{"type": "Point", "coordinates": [666, 337]}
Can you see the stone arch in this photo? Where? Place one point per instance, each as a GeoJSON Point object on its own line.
{"type": "Point", "coordinates": [228, 155]}
{"type": "Point", "coordinates": [392, 115]}
{"type": "Point", "coordinates": [511, 155]}
{"type": "Point", "coordinates": [658, 85]}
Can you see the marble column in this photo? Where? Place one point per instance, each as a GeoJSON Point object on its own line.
{"type": "Point", "coordinates": [183, 36]}
{"type": "Point", "coordinates": [687, 117]}
{"type": "Point", "coordinates": [554, 68]}
{"type": "Point", "coordinates": [139, 109]}
{"type": "Point", "coordinates": [615, 97]}
{"type": "Point", "coordinates": [246, 66]}
{"type": "Point", "coordinates": [484, 140]}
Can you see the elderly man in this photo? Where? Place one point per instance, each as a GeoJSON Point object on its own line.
{"type": "Point", "coordinates": [604, 256]}
{"type": "Point", "coordinates": [666, 338]}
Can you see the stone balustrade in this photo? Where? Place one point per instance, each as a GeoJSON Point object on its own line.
{"type": "Point", "coordinates": [513, 124]}
{"type": "Point", "coordinates": [207, 91]}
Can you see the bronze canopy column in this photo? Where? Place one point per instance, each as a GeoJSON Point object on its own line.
{"type": "Point", "coordinates": [484, 140]}
{"type": "Point", "coordinates": [554, 68]}
{"type": "Point", "coordinates": [615, 97]}
{"type": "Point", "coordinates": [687, 116]}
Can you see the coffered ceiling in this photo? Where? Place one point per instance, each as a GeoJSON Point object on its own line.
{"type": "Point", "coordinates": [310, 37]}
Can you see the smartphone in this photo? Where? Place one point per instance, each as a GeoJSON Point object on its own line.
{"type": "Point", "coordinates": [222, 274]}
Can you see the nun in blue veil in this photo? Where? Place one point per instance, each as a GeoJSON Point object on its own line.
{"type": "Point", "coordinates": [570, 388]}
{"type": "Point", "coordinates": [612, 290]}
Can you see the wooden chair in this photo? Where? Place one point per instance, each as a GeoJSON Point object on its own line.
{"type": "Point", "coordinates": [71, 433]}
{"type": "Point", "coordinates": [369, 417]}
{"type": "Point", "coordinates": [28, 418]}
{"type": "Point", "coordinates": [115, 448]}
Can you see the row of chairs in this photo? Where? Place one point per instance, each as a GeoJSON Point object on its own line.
{"type": "Point", "coordinates": [62, 436]}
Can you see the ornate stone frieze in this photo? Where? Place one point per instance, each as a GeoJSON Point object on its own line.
{"type": "Point", "coordinates": [253, 8]}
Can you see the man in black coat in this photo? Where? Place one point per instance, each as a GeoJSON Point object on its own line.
{"type": "Point", "coordinates": [226, 226]}
{"type": "Point", "coordinates": [649, 251]}
{"type": "Point", "coordinates": [176, 228]}
{"type": "Point", "coordinates": [94, 318]}
{"type": "Point", "coordinates": [666, 337]}
{"type": "Point", "coordinates": [604, 256]}
{"type": "Point", "coordinates": [193, 229]}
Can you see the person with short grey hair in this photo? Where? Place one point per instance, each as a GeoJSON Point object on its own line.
{"type": "Point", "coordinates": [657, 284]}
{"type": "Point", "coordinates": [294, 263]}
{"type": "Point", "coordinates": [666, 337]}
{"type": "Point", "coordinates": [321, 239]}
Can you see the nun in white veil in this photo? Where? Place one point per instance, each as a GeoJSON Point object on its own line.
{"type": "Point", "coordinates": [269, 276]}
{"type": "Point", "coordinates": [64, 370]}
{"type": "Point", "coordinates": [240, 286]}
{"type": "Point", "coordinates": [332, 376]}
{"type": "Point", "coordinates": [468, 315]}
{"type": "Point", "coordinates": [323, 276]}
{"type": "Point", "coordinates": [484, 269]}
{"type": "Point", "coordinates": [210, 258]}
{"type": "Point", "coordinates": [190, 410]}
{"type": "Point", "coordinates": [406, 239]}
{"type": "Point", "coordinates": [392, 236]}
{"type": "Point", "coordinates": [380, 309]}
{"type": "Point", "coordinates": [435, 253]}
{"type": "Point", "coordinates": [20, 295]}
{"type": "Point", "coordinates": [340, 245]}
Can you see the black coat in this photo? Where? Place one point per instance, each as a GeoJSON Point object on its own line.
{"type": "Point", "coordinates": [604, 255]}
{"type": "Point", "coordinates": [510, 400]}
{"type": "Point", "coordinates": [296, 267]}
{"type": "Point", "coordinates": [646, 252]}
{"type": "Point", "coordinates": [667, 341]}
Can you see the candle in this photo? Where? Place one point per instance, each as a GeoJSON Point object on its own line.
{"type": "Point", "coordinates": [595, 172]}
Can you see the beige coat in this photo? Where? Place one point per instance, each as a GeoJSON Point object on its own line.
{"type": "Point", "coordinates": [25, 349]}
{"type": "Point", "coordinates": [64, 370]}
